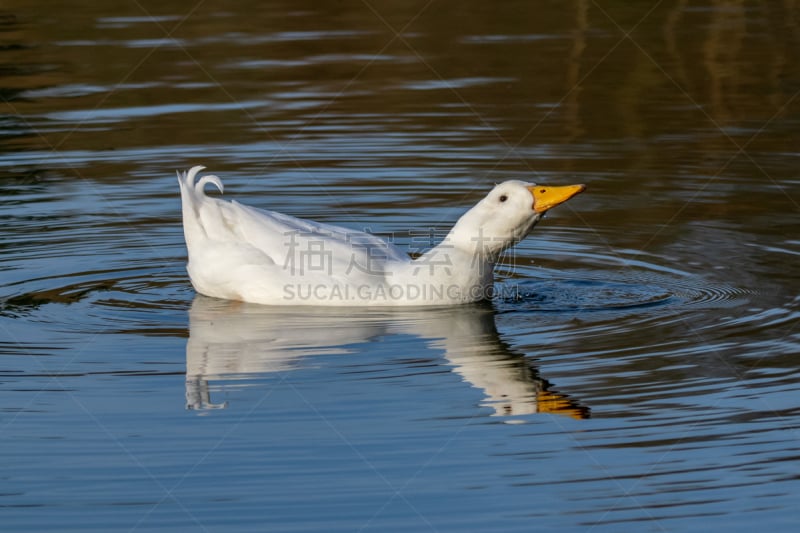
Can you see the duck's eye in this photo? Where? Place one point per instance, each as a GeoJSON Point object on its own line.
{"type": "Point", "coordinates": [503, 198]}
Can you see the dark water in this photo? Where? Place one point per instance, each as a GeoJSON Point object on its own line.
{"type": "Point", "coordinates": [638, 372]}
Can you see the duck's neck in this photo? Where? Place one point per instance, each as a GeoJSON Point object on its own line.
{"type": "Point", "coordinates": [459, 264]}
{"type": "Point", "coordinates": [468, 238]}
{"type": "Point", "coordinates": [464, 261]}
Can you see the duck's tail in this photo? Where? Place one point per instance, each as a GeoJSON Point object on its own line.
{"type": "Point", "coordinates": [195, 188]}
{"type": "Point", "coordinates": [195, 203]}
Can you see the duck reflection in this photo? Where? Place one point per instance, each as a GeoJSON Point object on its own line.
{"type": "Point", "coordinates": [232, 340]}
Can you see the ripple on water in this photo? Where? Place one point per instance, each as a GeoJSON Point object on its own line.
{"type": "Point", "coordinates": [97, 301]}
{"type": "Point", "coordinates": [584, 291]}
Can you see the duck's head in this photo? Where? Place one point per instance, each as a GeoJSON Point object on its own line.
{"type": "Point", "coordinates": [507, 214]}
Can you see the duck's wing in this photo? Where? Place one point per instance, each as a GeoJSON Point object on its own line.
{"type": "Point", "coordinates": [267, 237]}
{"type": "Point", "coordinates": [305, 244]}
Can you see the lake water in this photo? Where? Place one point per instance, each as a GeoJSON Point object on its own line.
{"type": "Point", "coordinates": [637, 372]}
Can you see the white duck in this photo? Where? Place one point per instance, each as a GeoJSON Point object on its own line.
{"type": "Point", "coordinates": [237, 252]}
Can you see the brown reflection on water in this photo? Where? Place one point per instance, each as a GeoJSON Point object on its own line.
{"type": "Point", "coordinates": [683, 67]}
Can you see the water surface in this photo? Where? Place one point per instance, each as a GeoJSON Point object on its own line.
{"type": "Point", "coordinates": [638, 369]}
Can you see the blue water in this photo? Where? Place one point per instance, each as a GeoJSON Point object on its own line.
{"type": "Point", "coordinates": [637, 370]}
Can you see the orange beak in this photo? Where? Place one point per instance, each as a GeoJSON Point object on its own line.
{"type": "Point", "coordinates": [546, 197]}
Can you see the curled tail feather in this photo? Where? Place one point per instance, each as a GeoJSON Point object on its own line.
{"type": "Point", "coordinates": [187, 180]}
{"type": "Point", "coordinates": [196, 206]}
{"type": "Point", "coordinates": [201, 183]}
